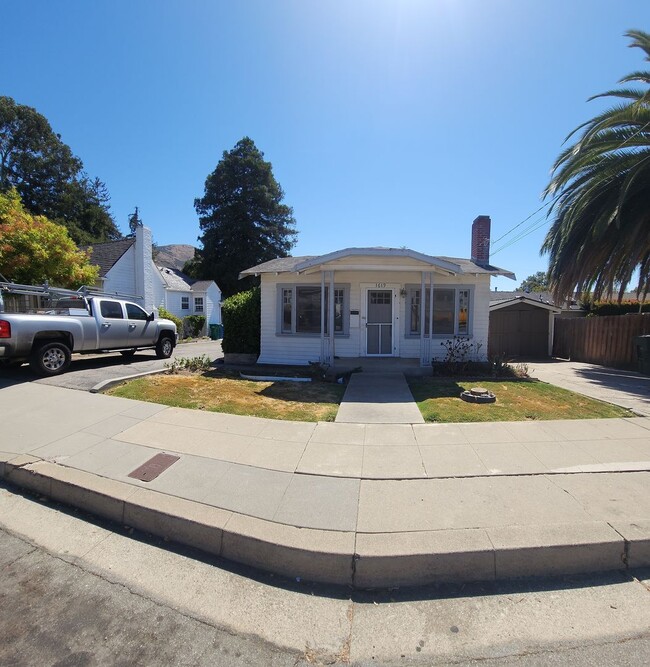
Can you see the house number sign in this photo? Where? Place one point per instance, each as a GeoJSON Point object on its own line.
{"type": "Point", "coordinates": [380, 285]}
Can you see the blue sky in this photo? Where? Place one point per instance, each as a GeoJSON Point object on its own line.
{"type": "Point", "coordinates": [388, 122]}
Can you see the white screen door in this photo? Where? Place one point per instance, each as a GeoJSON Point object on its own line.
{"type": "Point", "coordinates": [379, 323]}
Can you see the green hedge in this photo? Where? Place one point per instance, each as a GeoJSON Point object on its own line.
{"type": "Point", "coordinates": [194, 325]}
{"type": "Point", "coordinates": [241, 322]}
{"type": "Point", "coordinates": [613, 308]}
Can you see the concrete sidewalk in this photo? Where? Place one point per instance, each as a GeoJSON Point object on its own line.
{"type": "Point", "coordinates": [369, 505]}
{"type": "Point", "coordinates": [378, 398]}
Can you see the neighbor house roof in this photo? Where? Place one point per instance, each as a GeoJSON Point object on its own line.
{"type": "Point", "coordinates": [106, 255]}
{"type": "Point", "coordinates": [176, 280]}
{"type": "Point", "coordinates": [201, 285]}
{"type": "Point", "coordinates": [342, 258]}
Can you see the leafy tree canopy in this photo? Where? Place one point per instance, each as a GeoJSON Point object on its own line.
{"type": "Point", "coordinates": [49, 178]}
{"type": "Point", "coordinates": [33, 249]}
{"type": "Point", "coordinates": [600, 237]}
{"type": "Point", "coordinates": [243, 219]}
{"type": "Point", "coordinates": [538, 282]}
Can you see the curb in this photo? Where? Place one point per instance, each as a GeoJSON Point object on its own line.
{"type": "Point", "coordinates": [359, 560]}
{"type": "Point", "coordinates": [107, 384]}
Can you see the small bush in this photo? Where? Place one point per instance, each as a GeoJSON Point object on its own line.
{"type": "Point", "coordinates": [192, 364]}
{"type": "Point", "coordinates": [194, 325]}
{"type": "Point", "coordinates": [241, 322]}
{"type": "Point", "coordinates": [457, 360]}
{"type": "Point", "coordinates": [165, 314]}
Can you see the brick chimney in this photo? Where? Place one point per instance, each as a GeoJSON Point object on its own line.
{"type": "Point", "coordinates": [481, 240]}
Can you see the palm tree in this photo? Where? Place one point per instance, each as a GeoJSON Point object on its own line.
{"type": "Point", "coordinates": [601, 188]}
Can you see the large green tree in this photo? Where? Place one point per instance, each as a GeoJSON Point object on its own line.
{"type": "Point", "coordinates": [600, 235]}
{"type": "Point", "coordinates": [243, 219]}
{"type": "Point", "coordinates": [537, 282]}
{"type": "Point", "coordinates": [34, 249]}
{"type": "Point", "coordinates": [49, 178]}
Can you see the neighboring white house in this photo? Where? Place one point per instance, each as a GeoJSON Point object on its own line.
{"type": "Point", "coordinates": [387, 302]}
{"type": "Point", "coordinates": [182, 296]}
{"type": "Point", "coordinates": [126, 266]}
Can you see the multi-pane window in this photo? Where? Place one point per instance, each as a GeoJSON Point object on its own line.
{"type": "Point", "coordinates": [185, 303]}
{"type": "Point", "coordinates": [300, 309]}
{"type": "Point", "coordinates": [450, 311]}
{"type": "Point", "coordinates": [198, 304]}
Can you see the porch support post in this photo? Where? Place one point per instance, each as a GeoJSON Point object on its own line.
{"type": "Point", "coordinates": [424, 361]}
{"type": "Point", "coordinates": [323, 352]}
{"type": "Point", "coordinates": [331, 318]}
{"type": "Point", "coordinates": [430, 316]}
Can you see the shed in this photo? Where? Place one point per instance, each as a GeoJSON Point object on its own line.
{"type": "Point", "coordinates": [521, 326]}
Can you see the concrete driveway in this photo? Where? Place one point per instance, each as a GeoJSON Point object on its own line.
{"type": "Point", "coordinates": [86, 371]}
{"type": "Point", "coordinates": [625, 388]}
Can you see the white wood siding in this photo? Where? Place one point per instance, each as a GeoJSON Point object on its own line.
{"type": "Point", "coordinates": [295, 349]}
{"type": "Point", "coordinates": [213, 304]}
{"type": "Point", "coordinates": [121, 277]}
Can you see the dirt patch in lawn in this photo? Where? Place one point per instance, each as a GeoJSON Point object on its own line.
{"type": "Point", "coordinates": [517, 400]}
{"type": "Point", "coordinates": [293, 401]}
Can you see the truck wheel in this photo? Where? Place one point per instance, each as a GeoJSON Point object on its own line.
{"type": "Point", "coordinates": [50, 359]}
{"type": "Point", "coordinates": [164, 347]}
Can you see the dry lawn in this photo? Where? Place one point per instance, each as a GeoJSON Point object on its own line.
{"type": "Point", "coordinates": [294, 401]}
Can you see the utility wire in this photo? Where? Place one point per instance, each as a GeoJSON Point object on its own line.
{"type": "Point", "coordinates": [532, 227]}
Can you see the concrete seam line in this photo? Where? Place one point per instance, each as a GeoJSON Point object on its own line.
{"type": "Point", "coordinates": [625, 557]}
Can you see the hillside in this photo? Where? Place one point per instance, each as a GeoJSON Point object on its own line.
{"type": "Point", "coordinates": [174, 256]}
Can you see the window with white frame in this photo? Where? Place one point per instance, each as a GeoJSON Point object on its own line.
{"type": "Point", "coordinates": [299, 310]}
{"type": "Point", "coordinates": [198, 304]}
{"type": "Point", "coordinates": [185, 303]}
{"type": "Point", "coordinates": [450, 311]}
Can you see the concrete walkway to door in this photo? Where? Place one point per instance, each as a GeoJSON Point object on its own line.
{"type": "Point", "coordinates": [378, 398]}
{"type": "Point", "coordinates": [625, 388]}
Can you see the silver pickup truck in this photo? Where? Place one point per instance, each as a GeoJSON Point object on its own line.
{"type": "Point", "coordinates": [82, 324]}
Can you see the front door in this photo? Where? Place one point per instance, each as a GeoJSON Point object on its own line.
{"type": "Point", "coordinates": [379, 323]}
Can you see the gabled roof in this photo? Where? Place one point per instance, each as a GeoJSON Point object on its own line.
{"type": "Point", "coordinates": [527, 299]}
{"type": "Point", "coordinates": [106, 255]}
{"type": "Point", "coordinates": [202, 285]}
{"type": "Point", "coordinates": [413, 261]}
{"type": "Point", "coordinates": [175, 279]}
{"type": "Point", "coordinates": [178, 281]}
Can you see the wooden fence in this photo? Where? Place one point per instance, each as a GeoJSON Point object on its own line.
{"type": "Point", "coordinates": [608, 341]}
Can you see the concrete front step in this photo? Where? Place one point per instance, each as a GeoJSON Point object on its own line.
{"type": "Point", "coordinates": [358, 559]}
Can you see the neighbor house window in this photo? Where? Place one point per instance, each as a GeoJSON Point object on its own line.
{"type": "Point", "coordinates": [185, 303]}
{"type": "Point", "coordinates": [198, 304]}
{"type": "Point", "coordinates": [299, 309]}
{"type": "Point", "coordinates": [450, 311]}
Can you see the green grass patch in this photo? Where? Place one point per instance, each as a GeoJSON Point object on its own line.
{"type": "Point", "coordinates": [517, 400]}
{"type": "Point", "coordinates": [293, 401]}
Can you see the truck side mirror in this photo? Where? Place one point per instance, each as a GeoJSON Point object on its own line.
{"type": "Point", "coordinates": [151, 317]}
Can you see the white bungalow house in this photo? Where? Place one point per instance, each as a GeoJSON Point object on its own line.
{"type": "Point", "coordinates": [387, 302]}
{"type": "Point", "coordinates": [127, 267]}
{"type": "Point", "coordinates": [182, 295]}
